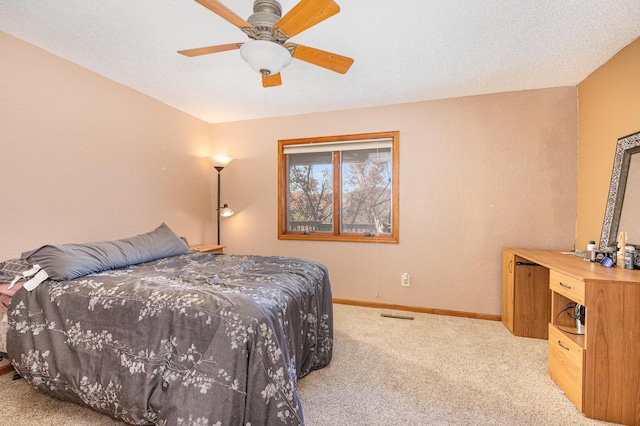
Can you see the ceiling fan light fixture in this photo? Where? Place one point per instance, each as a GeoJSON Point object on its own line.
{"type": "Point", "coordinates": [265, 57]}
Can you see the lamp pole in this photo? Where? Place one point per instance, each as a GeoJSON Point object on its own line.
{"type": "Point", "coordinates": [218, 162]}
{"type": "Point", "coordinates": [219, 169]}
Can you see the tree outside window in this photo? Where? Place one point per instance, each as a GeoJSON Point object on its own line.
{"type": "Point", "coordinates": [342, 188]}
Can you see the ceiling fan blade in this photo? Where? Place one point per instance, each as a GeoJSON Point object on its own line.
{"type": "Point", "coordinates": [271, 80]}
{"type": "Point", "coordinates": [305, 15]}
{"type": "Point", "coordinates": [210, 49]}
{"type": "Point", "coordinates": [328, 60]}
{"type": "Point", "coordinates": [222, 11]}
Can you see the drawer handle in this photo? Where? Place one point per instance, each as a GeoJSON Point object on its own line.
{"type": "Point", "coordinates": [562, 346]}
{"type": "Point", "coordinates": [565, 286]}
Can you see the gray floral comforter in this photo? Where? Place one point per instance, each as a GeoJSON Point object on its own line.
{"type": "Point", "coordinates": [197, 339]}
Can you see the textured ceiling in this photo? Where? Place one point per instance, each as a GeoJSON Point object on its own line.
{"type": "Point", "coordinates": [404, 51]}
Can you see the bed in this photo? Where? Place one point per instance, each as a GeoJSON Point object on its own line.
{"type": "Point", "coordinates": [185, 339]}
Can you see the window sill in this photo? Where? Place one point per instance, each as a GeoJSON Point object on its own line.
{"type": "Point", "coordinates": [349, 238]}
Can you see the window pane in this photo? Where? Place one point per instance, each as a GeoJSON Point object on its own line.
{"type": "Point", "coordinates": [339, 188]}
{"type": "Point", "coordinates": [310, 198]}
{"type": "Point", "coordinates": [366, 191]}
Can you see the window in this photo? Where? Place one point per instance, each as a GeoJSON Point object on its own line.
{"type": "Point", "coordinates": [339, 188]}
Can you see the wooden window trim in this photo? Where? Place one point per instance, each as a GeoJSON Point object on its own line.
{"type": "Point", "coordinates": [283, 234]}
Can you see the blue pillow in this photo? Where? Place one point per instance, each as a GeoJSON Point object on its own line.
{"type": "Point", "coordinates": [69, 261]}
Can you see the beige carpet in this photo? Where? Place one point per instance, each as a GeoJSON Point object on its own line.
{"type": "Point", "coordinates": [434, 370]}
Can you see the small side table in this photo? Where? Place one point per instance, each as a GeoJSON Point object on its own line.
{"type": "Point", "coordinates": [5, 366]}
{"type": "Point", "coordinates": [207, 248]}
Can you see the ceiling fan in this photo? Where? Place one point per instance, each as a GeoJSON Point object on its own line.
{"type": "Point", "coordinates": [268, 51]}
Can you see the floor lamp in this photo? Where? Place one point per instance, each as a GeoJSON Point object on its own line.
{"type": "Point", "coordinates": [219, 162]}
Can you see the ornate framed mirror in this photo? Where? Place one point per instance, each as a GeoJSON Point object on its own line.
{"type": "Point", "coordinates": [623, 203]}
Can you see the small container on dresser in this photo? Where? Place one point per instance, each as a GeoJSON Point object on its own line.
{"type": "Point", "coordinates": [592, 251]}
{"type": "Point", "coordinates": [629, 255]}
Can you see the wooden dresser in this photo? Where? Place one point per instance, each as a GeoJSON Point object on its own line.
{"type": "Point", "coordinates": [599, 370]}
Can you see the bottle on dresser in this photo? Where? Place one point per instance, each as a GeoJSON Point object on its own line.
{"type": "Point", "coordinates": [629, 254]}
{"type": "Point", "coordinates": [592, 251]}
{"type": "Point", "coordinates": [622, 242]}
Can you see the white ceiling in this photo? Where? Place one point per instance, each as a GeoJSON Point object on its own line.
{"type": "Point", "coordinates": [404, 50]}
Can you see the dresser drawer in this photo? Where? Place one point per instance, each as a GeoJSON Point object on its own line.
{"type": "Point", "coordinates": [570, 287]}
{"type": "Point", "coordinates": [566, 365]}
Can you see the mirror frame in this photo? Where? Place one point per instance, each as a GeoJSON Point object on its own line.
{"type": "Point", "coordinates": [625, 148]}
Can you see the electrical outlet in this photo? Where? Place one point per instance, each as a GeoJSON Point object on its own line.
{"type": "Point", "coordinates": [406, 280]}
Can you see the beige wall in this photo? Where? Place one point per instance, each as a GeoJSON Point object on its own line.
{"type": "Point", "coordinates": [476, 174]}
{"type": "Point", "coordinates": [85, 159]}
{"type": "Point", "coordinates": [609, 109]}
